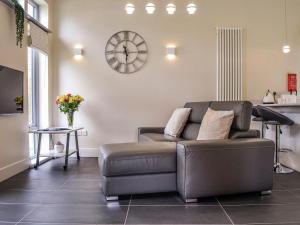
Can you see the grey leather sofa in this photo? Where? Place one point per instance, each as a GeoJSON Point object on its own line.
{"type": "Point", "coordinates": [242, 163]}
{"type": "Point", "coordinates": [137, 168]}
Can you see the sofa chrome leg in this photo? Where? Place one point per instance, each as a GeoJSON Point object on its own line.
{"type": "Point", "coordinates": [112, 198]}
{"type": "Point", "coordinates": [266, 192]}
{"type": "Point", "coordinates": [191, 200]}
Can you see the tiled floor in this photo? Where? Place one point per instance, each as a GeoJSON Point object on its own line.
{"type": "Point", "coordinates": [51, 195]}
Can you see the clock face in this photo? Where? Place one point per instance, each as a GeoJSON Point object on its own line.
{"type": "Point", "coordinates": [126, 52]}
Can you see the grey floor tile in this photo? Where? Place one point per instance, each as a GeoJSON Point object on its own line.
{"type": "Point", "coordinates": [29, 184]}
{"type": "Point", "coordinates": [288, 181]}
{"type": "Point", "coordinates": [278, 186]}
{"type": "Point", "coordinates": [176, 215]}
{"type": "Point", "coordinates": [83, 214]}
{"type": "Point", "coordinates": [85, 176]}
{"type": "Point", "coordinates": [42, 174]}
{"type": "Point", "coordinates": [22, 223]}
{"type": "Point", "coordinates": [296, 193]}
{"type": "Point", "coordinates": [74, 197]}
{"type": "Point", "coordinates": [21, 196]}
{"type": "Point", "coordinates": [264, 213]}
{"type": "Point", "coordinates": [81, 197]}
{"type": "Point", "coordinates": [14, 212]}
{"type": "Point", "coordinates": [277, 197]}
{"type": "Point", "coordinates": [297, 223]}
{"type": "Point", "coordinates": [167, 199]}
{"type": "Point", "coordinates": [87, 185]}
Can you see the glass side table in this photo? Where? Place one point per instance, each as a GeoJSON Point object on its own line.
{"type": "Point", "coordinates": [57, 130]}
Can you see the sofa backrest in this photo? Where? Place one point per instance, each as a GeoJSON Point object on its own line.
{"type": "Point", "coordinates": [241, 122]}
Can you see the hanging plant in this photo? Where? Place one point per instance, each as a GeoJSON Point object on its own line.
{"type": "Point", "coordinates": [20, 18]}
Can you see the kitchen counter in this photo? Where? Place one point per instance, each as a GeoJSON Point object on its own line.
{"type": "Point", "coordinates": [281, 105]}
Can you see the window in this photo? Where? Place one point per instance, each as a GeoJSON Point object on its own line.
{"type": "Point", "coordinates": [38, 96]}
{"type": "Point", "coordinates": [38, 100]}
{"type": "Point", "coordinates": [38, 10]}
{"type": "Point", "coordinates": [33, 9]}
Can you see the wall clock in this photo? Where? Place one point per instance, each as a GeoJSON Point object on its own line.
{"type": "Point", "coordinates": [126, 52]}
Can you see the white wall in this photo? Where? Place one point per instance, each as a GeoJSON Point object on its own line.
{"type": "Point", "coordinates": [13, 128]}
{"type": "Point", "coordinates": [117, 104]}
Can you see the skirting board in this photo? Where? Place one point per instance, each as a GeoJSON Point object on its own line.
{"type": "Point", "coordinates": [13, 169]}
{"type": "Point", "coordinates": [88, 152]}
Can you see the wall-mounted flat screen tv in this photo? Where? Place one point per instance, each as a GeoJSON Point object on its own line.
{"type": "Point", "coordinates": [11, 91]}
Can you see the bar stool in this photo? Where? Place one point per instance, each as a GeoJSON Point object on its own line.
{"type": "Point", "coordinates": [271, 117]}
{"type": "Point", "coordinates": [258, 118]}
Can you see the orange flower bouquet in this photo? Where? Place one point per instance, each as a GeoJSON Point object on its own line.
{"type": "Point", "coordinates": [68, 104]}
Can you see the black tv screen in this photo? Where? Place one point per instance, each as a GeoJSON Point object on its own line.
{"type": "Point", "coordinates": [11, 91]}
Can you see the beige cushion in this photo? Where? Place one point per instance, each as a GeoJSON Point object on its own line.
{"type": "Point", "coordinates": [177, 122]}
{"type": "Point", "coordinates": [215, 125]}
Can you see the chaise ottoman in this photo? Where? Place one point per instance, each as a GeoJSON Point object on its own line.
{"type": "Point", "coordinates": [137, 168]}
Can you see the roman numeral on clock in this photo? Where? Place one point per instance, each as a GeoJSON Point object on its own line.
{"type": "Point", "coordinates": [118, 66]}
{"type": "Point", "coordinates": [139, 44]}
{"type": "Point", "coordinates": [134, 66]}
{"type": "Point", "coordinates": [112, 44]}
{"type": "Point", "coordinates": [140, 60]}
{"type": "Point", "coordinates": [112, 60]}
{"type": "Point", "coordinates": [134, 37]}
{"type": "Point", "coordinates": [118, 39]}
{"type": "Point", "coordinates": [126, 35]}
{"type": "Point", "coordinates": [110, 52]}
{"type": "Point", "coordinates": [142, 52]}
{"type": "Point", "coordinates": [126, 68]}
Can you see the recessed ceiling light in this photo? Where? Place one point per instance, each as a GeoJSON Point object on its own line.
{"type": "Point", "coordinates": [129, 8]}
{"type": "Point", "coordinates": [171, 8]}
{"type": "Point", "coordinates": [191, 8]}
{"type": "Point", "coordinates": [150, 8]}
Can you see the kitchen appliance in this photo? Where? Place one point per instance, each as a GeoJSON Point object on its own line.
{"type": "Point", "coordinates": [269, 97]}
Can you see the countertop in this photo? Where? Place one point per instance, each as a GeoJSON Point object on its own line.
{"type": "Point", "coordinates": [281, 105]}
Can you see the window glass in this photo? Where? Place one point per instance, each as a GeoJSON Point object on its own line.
{"type": "Point", "coordinates": [38, 97]}
{"type": "Point", "coordinates": [22, 3]}
{"type": "Point", "coordinates": [38, 9]}
{"type": "Point", "coordinates": [33, 9]}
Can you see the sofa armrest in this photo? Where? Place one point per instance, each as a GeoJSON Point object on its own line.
{"type": "Point", "coordinates": [218, 167]}
{"type": "Point", "coordinates": [158, 130]}
{"type": "Point", "coordinates": [244, 134]}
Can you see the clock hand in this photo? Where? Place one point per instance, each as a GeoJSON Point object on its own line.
{"type": "Point", "coordinates": [126, 52]}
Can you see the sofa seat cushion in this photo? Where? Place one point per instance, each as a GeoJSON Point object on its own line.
{"type": "Point", "coordinates": [137, 158]}
{"type": "Point", "coordinates": [154, 137]}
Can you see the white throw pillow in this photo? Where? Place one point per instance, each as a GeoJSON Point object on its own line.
{"type": "Point", "coordinates": [215, 125]}
{"type": "Point", "coordinates": [177, 122]}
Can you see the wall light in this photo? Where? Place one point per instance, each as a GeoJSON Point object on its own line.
{"type": "Point", "coordinates": [150, 8]}
{"type": "Point", "coordinates": [191, 8]}
{"type": "Point", "coordinates": [171, 52]}
{"type": "Point", "coordinates": [129, 8]}
{"type": "Point", "coordinates": [171, 8]}
{"type": "Point", "coordinates": [78, 52]}
{"type": "Point", "coordinates": [286, 49]}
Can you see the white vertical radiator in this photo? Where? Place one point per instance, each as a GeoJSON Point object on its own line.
{"type": "Point", "coordinates": [229, 64]}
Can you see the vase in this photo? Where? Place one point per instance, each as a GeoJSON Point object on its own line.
{"type": "Point", "coordinates": [70, 117]}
